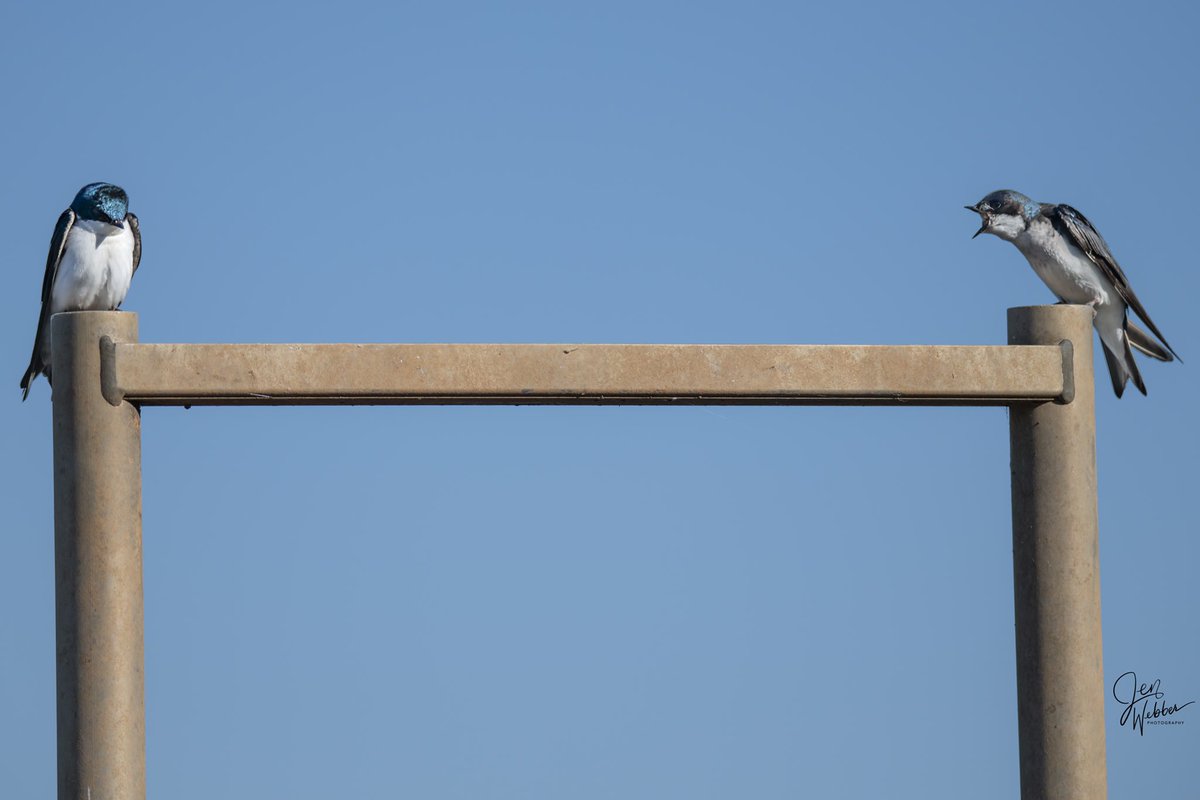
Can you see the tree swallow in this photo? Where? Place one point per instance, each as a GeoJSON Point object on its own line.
{"type": "Point", "coordinates": [94, 252]}
{"type": "Point", "coordinates": [1072, 258]}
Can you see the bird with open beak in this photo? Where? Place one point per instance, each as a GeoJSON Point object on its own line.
{"type": "Point", "coordinates": [1072, 258]}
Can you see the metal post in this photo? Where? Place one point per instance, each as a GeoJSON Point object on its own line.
{"type": "Point", "coordinates": [98, 568]}
{"type": "Point", "coordinates": [1056, 572]}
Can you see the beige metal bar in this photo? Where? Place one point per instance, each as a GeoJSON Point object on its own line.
{"type": "Point", "coordinates": [102, 375]}
{"type": "Point", "coordinates": [97, 567]}
{"type": "Point", "coordinates": [334, 374]}
{"type": "Point", "coordinates": [1056, 571]}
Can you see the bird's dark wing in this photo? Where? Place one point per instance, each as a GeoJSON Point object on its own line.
{"type": "Point", "coordinates": [1076, 227]}
{"type": "Point", "coordinates": [57, 243]}
{"type": "Point", "coordinates": [136, 227]}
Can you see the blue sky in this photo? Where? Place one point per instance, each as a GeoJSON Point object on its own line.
{"type": "Point", "coordinates": [600, 602]}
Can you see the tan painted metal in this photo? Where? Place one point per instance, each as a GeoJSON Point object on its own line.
{"type": "Point", "coordinates": [97, 567]}
{"type": "Point", "coordinates": [1056, 571]}
{"type": "Point", "coordinates": [102, 375]}
{"type": "Point", "coordinates": [289, 374]}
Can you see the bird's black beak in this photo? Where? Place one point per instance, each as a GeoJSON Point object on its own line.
{"type": "Point", "coordinates": [983, 227]}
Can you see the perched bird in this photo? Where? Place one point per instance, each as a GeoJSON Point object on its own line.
{"type": "Point", "coordinates": [1072, 258]}
{"type": "Point", "coordinates": [94, 252]}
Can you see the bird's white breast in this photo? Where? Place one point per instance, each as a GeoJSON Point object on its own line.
{"type": "Point", "coordinates": [1065, 268]}
{"type": "Point", "coordinates": [96, 268]}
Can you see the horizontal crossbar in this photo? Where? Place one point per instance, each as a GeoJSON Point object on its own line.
{"type": "Point", "coordinates": [583, 374]}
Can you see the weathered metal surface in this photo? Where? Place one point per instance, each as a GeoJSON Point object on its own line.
{"type": "Point", "coordinates": [98, 568]}
{"type": "Point", "coordinates": [1056, 572]}
{"type": "Point", "coordinates": [101, 375]}
{"type": "Point", "coordinates": [288, 374]}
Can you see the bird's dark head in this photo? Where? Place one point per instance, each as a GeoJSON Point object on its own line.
{"type": "Point", "coordinates": [1005, 213]}
{"type": "Point", "coordinates": [101, 202]}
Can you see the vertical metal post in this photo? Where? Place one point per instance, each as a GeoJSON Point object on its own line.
{"type": "Point", "coordinates": [97, 568]}
{"type": "Point", "coordinates": [1056, 572]}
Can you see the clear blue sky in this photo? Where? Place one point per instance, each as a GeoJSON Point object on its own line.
{"type": "Point", "coordinates": [600, 602]}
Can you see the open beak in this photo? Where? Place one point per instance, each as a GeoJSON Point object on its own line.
{"type": "Point", "coordinates": [984, 226]}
